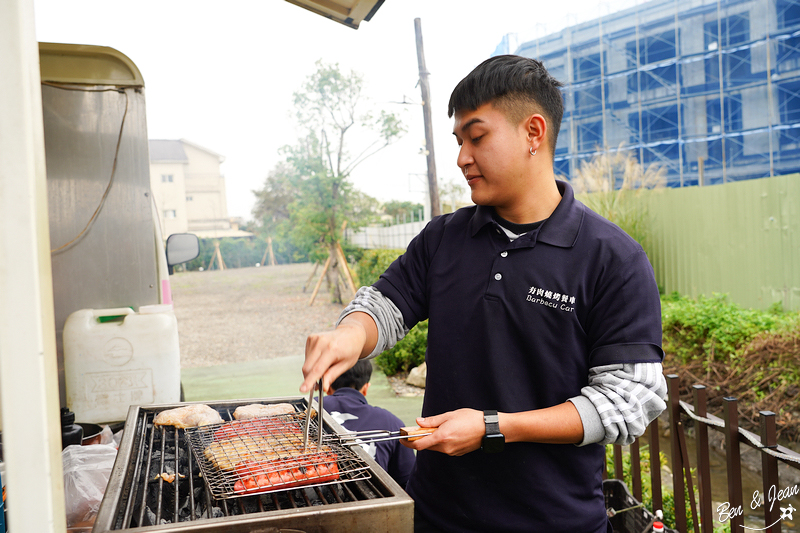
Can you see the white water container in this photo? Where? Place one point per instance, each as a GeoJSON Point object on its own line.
{"type": "Point", "coordinates": [115, 358]}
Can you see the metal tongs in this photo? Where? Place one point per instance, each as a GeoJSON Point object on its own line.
{"type": "Point", "coordinates": [307, 429]}
{"type": "Point", "coordinates": [357, 437]}
{"type": "Point", "coordinates": [377, 435]}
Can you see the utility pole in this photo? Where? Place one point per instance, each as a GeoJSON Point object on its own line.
{"type": "Point", "coordinates": [433, 188]}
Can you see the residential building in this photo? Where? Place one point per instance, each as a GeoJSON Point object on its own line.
{"type": "Point", "coordinates": [189, 190]}
{"type": "Point", "coordinates": [710, 89]}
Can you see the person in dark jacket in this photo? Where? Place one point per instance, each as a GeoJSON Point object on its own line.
{"type": "Point", "coordinates": [348, 405]}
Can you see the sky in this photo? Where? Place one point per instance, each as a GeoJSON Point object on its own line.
{"type": "Point", "coordinates": [222, 74]}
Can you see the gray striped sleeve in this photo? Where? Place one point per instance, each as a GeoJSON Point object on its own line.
{"type": "Point", "coordinates": [386, 315]}
{"type": "Point", "coordinates": [620, 402]}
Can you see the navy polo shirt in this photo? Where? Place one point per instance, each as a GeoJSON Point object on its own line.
{"type": "Point", "coordinates": [350, 409]}
{"type": "Point", "coordinates": [516, 326]}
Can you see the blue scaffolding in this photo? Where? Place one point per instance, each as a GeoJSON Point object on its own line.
{"type": "Point", "coordinates": [708, 90]}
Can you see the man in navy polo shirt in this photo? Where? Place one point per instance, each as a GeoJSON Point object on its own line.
{"type": "Point", "coordinates": [544, 337]}
{"type": "Point", "coordinates": [348, 405]}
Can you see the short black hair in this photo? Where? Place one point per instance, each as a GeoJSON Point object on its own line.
{"type": "Point", "coordinates": [356, 377]}
{"type": "Point", "coordinates": [518, 86]}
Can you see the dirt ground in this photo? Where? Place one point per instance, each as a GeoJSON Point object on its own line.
{"type": "Point", "coordinates": [245, 314]}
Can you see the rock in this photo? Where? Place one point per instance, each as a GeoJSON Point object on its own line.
{"type": "Point", "coordinates": [403, 389]}
{"type": "Point", "coordinates": [418, 375]}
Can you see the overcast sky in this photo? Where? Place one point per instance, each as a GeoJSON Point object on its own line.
{"type": "Point", "coordinates": [222, 74]}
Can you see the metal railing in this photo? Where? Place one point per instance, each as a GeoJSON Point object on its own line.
{"type": "Point", "coordinates": [681, 412]}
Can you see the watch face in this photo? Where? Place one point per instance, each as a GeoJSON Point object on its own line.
{"type": "Point", "coordinates": [493, 443]}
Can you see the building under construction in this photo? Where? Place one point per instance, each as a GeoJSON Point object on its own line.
{"type": "Point", "coordinates": [709, 89]}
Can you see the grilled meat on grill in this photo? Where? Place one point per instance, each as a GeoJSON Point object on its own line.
{"type": "Point", "coordinates": [226, 454]}
{"type": "Point", "coordinates": [286, 473]}
{"type": "Point", "coordinates": [260, 427]}
{"type": "Point", "coordinates": [188, 416]}
{"type": "Point", "coordinates": [257, 410]}
{"type": "Point", "coordinates": [268, 453]}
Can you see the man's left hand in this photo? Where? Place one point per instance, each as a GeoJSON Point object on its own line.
{"type": "Point", "coordinates": [458, 432]}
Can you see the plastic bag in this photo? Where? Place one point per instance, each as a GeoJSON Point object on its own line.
{"type": "Point", "coordinates": [117, 438]}
{"type": "Point", "coordinates": [86, 473]}
{"type": "Point", "coordinates": [107, 437]}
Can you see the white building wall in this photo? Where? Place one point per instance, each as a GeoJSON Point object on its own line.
{"type": "Point", "coordinates": [168, 183]}
{"type": "Point", "coordinates": [206, 201]}
{"type": "Point", "coordinates": [194, 200]}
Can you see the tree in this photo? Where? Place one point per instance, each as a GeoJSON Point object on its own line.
{"type": "Point", "coordinates": [453, 193]}
{"type": "Point", "coordinates": [272, 203]}
{"type": "Point", "coordinates": [399, 209]}
{"type": "Point", "coordinates": [329, 112]}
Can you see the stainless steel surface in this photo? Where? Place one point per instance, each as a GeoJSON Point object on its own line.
{"type": "Point", "coordinates": [307, 427]}
{"type": "Point", "coordinates": [321, 410]}
{"type": "Point", "coordinates": [308, 417]}
{"type": "Point", "coordinates": [375, 504]}
{"type": "Point", "coordinates": [81, 131]}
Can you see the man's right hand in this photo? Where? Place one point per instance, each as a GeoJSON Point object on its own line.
{"type": "Point", "coordinates": [331, 353]}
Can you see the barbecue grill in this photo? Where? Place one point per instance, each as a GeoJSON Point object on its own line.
{"type": "Point", "coordinates": [157, 484]}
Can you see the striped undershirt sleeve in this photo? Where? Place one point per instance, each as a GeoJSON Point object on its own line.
{"type": "Point", "coordinates": [386, 315]}
{"type": "Point", "coordinates": [620, 402]}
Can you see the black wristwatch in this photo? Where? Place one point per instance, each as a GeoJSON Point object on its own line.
{"type": "Point", "coordinates": [493, 441]}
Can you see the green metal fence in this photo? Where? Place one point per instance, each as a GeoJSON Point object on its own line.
{"type": "Point", "coordinates": [740, 238]}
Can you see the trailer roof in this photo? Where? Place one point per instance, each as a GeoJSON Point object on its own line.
{"type": "Point", "coordinates": [87, 65]}
{"type": "Point", "coordinates": [348, 12]}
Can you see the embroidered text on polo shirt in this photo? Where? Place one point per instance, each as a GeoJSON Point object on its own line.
{"type": "Point", "coordinates": [556, 300]}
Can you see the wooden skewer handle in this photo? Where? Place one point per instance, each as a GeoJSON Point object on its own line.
{"type": "Point", "coordinates": [411, 431]}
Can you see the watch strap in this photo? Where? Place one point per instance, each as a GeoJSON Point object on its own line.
{"type": "Point", "coordinates": [492, 421]}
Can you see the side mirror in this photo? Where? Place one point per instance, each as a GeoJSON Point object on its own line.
{"type": "Point", "coordinates": [182, 247]}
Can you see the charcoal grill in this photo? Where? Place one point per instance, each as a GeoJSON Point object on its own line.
{"type": "Point", "coordinates": [141, 498]}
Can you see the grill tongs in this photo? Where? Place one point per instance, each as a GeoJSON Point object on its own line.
{"type": "Point", "coordinates": [376, 435]}
{"type": "Point", "coordinates": [307, 428]}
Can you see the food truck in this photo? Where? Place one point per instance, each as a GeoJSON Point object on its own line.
{"type": "Point", "coordinates": [116, 334]}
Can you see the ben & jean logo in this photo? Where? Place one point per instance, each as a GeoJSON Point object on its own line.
{"type": "Point", "coordinates": [725, 511]}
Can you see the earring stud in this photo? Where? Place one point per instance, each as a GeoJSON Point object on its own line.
{"type": "Point", "coordinates": [532, 151]}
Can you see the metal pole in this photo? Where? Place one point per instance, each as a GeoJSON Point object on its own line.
{"type": "Point", "coordinates": [678, 92]}
{"type": "Point", "coordinates": [433, 188]}
{"type": "Point", "coordinates": [636, 470]}
{"type": "Point", "coordinates": [639, 89]}
{"type": "Point", "coordinates": [733, 460]}
{"type": "Point", "coordinates": [678, 483]}
{"type": "Point", "coordinates": [703, 459]}
{"type": "Point", "coordinates": [768, 48]}
{"type": "Point", "coordinates": [611, 178]}
{"type": "Point", "coordinates": [721, 90]}
{"type": "Point", "coordinates": [28, 369]}
{"type": "Point", "coordinates": [655, 467]}
{"type": "Point", "coordinates": [769, 470]}
{"type": "Point", "coordinates": [571, 107]}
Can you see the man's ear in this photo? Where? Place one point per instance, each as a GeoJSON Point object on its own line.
{"type": "Point", "coordinates": [536, 128]}
{"type": "Point", "coordinates": [363, 390]}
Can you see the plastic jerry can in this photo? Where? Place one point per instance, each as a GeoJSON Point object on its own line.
{"type": "Point", "coordinates": [115, 358]}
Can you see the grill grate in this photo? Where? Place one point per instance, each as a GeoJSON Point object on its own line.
{"type": "Point", "coordinates": [158, 482]}
{"type": "Point", "coordinates": [263, 455]}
